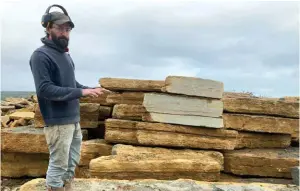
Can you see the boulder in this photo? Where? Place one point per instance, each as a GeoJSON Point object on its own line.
{"type": "Point", "coordinates": [24, 115]}
{"type": "Point", "coordinates": [133, 98]}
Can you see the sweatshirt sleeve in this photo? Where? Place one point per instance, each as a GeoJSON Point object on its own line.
{"type": "Point", "coordinates": [41, 70]}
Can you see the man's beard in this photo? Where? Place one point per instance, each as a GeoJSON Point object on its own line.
{"type": "Point", "coordinates": [61, 41]}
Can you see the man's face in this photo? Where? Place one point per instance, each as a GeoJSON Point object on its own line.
{"type": "Point", "coordinates": [60, 34]}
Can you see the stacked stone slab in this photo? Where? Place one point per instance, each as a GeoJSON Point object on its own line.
{"type": "Point", "coordinates": [193, 113]}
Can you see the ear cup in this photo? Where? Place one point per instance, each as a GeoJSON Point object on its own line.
{"type": "Point", "coordinates": [46, 19]}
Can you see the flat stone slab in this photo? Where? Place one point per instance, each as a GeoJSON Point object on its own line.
{"type": "Point", "coordinates": [262, 106]}
{"type": "Point", "coordinates": [262, 162]}
{"type": "Point", "coordinates": [182, 105]}
{"type": "Point", "coordinates": [260, 123]}
{"type": "Point", "coordinates": [139, 162]}
{"type": "Point", "coordinates": [161, 134]}
{"type": "Point", "coordinates": [20, 115]}
{"type": "Point", "coordinates": [162, 185]}
{"type": "Point", "coordinates": [123, 84]}
{"type": "Point", "coordinates": [194, 86]}
{"type": "Point", "coordinates": [263, 140]}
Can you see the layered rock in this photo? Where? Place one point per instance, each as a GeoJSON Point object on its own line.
{"type": "Point", "coordinates": [134, 98]}
{"type": "Point", "coordinates": [262, 162]}
{"type": "Point", "coordinates": [142, 162]}
{"type": "Point", "coordinates": [161, 134]}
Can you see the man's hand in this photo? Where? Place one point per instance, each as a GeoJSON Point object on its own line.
{"type": "Point", "coordinates": [94, 92]}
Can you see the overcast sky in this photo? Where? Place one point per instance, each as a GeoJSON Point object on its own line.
{"type": "Point", "coordinates": [250, 46]}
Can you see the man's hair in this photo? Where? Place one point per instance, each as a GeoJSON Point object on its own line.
{"type": "Point", "coordinates": [48, 27]}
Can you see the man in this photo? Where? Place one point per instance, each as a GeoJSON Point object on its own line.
{"type": "Point", "coordinates": [58, 95]}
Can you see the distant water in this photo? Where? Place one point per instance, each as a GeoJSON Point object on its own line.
{"type": "Point", "coordinates": [20, 94]}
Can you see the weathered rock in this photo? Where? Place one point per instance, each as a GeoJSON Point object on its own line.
{"type": "Point", "coordinates": [161, 134]}
{"type": "Point", "coordinates": [16, 101]}
{"type": "Point", "coordinates": [19, 122]}
{"type": "Point", "coordinates": [194, 86]}
{"type": "Point", "coordinates": [24, 115]}
{"type": "Point", "coordinates": [182, 105]}
{"type": "Point", "coordinates": [260, 123]}
{"type": "Point", "coordinates": [133, 98]}
{"type": "Point", "coordinates": [23, 164]}
{"type": "Point", "coordinates": [210, 122]}
{"type": "Point", "coordinates": [262, 106]}
{"type": "Point", "coordinates": [262, 162]}
{"type": "Point", "coordinates": [122, 84]}
{"type": "Point", "coordinates": [157, 162]}
{"type": "Point", "coordinates": [263, 140]}
{"type": "Point", "coordinates": [7, 108]}
{"type": "Point", "coordinates": [82, 172]}
{"type": "Point", "coordinates": [237, 94]}
{"type": "Point", "coordinates": [25, 139]}
{"type": "Point", "coordinates": [125, 111]}
{"type": "Point", "coordinates": [162, 185]}
{"type": "Point", "coordinates": [92, 149]}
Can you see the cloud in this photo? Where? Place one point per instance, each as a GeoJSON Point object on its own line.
{"type": "Point", "coordinates": [250, 46]}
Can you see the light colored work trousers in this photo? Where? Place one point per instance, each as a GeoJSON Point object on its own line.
{"type": "Point", "coordinates": [64, 143]}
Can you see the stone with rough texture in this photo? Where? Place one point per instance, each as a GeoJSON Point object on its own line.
{"type": "Point", "coordinates": [25, 139]}
{"type": "Point", "coordinates": [182, 105]}
{"type": "Point", "coordinates": [125, 111]}
{"type": "Point", "coordinates": [161, 134]}
{"type": "Point", "coordinates": [263, 140]}
{"type": "Point", "coordinates": [93, 148]}
{"type": "Point", "coordinates": [122, 84]}
{"type": "Point", "coordinates": [161, 185]}
{"type": "Point", "coordinates": [24, 115]}
{"type": "Point", "coordinates": [262, 162]}
{"type": "Point", "coordinates": [194, 86]}
{"type": "Point", "coordinates": [210, 122]}
{"type": "Point", "coordinates": [101, 99]}
{"type": "Point", "coordinates": [141, 162]}
{"type": "Point", "coordinates": [295, 174]}
{"type": "Point", "coordinates": [261, 106]}
{"type": "Point", "coordinates": [133, 98]}
{"type": "Point", "coordinates": [260, 123]}
{"type": "Point", "coordinates": [23, 164]}
{"type": "Point", "coordinates": [4, 121]}
{"type": "Point", "coordinates": [104, 112]}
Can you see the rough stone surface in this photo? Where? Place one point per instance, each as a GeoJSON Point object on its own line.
{"type": "Point", "coordinates": [139, 162]}
{"type": "Point", "coordinates": [161, 134]}
{"type": "Point", "coordinates": [260, 123]}
{"type": "Point", "coordinates": [262, 162]}
{"type": "Point", "coordinates": [262, 106]}
{"type": "Point", "coordinates": [194, 86]}
{"type": "Point", "coordinates": [263, 140]}
{"type": "Point", "coordinates": [18, 165]}
{"type": "Point", "coordinates": [25, 139]}
{"type": "Point", "coordinates": [94, 148]}
{"type": "Point", "coordinates": [24, 115]}
{"type": "Point", "coordinates": [126, 111]}
{"type": "Point", "coordinates": [122, 84]}
{"type": "Point", "coordinates": [159, 185]}
{"type": "Point", "coordinates": [133, 98]}
{"type": "Point", "coordinates": [98, 100]}
{"type": "Point", "coordinates": [182, 105]}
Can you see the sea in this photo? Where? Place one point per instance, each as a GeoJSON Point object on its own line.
{"type": "Point", "coordinates": [19, 94]}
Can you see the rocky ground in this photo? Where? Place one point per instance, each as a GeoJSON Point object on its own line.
{"type": "Point", "coordinates": [10, 184]}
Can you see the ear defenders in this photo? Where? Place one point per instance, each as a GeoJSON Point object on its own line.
{"type": "Point", "coordinates": [47, 16]}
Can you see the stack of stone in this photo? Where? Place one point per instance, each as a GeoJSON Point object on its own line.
{"type": "Point", "coordinates": [193, 115]}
